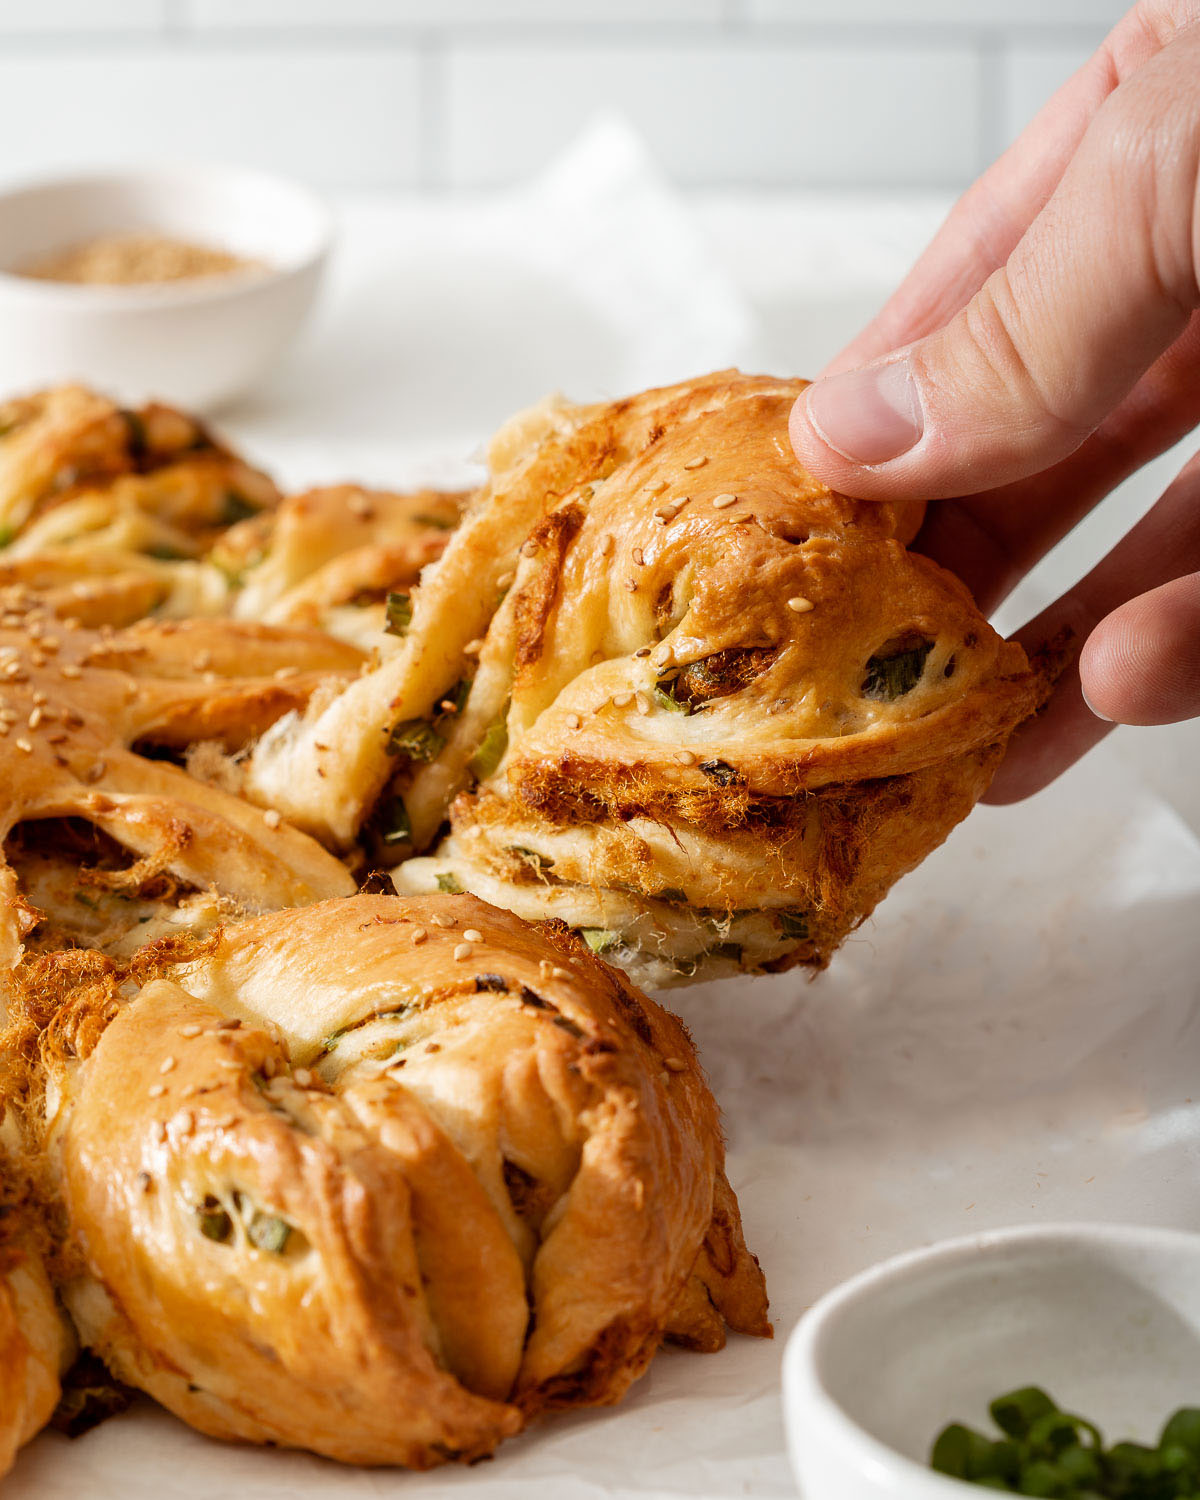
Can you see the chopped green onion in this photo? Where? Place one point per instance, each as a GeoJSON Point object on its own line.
{"type": "Point", "coordinates": [458, 695]}
{"type": "Point", "coordinates": [396, 828]}
{"type": "Point", "coordinates": [1183, 1430]}
{"type": "Point", "coordinates": [491, 750]}
{"type": "Point", "coordinates": [7, 535]}
{"type": "Point", "coordinates": [662, 696]}
{"type": "Point", "coordinates": [417, 739]}
{"type": "Point", "coordinates": [599, 939]}
{"type": "Point", "coordinates": [892, 673]}
{"type": "Point", "coordinates": [269, 1233]}
{"type": "Point", "coordinates": [435, 521]}
{"type": "Point", "coordinates": [1016, 1412]}
{"type": "Point", "coordinates": [449, 883]}
{"type": "Point", "coordinates": [399, 614]}
{"type": "Point", "coordinates": [215, 1223]}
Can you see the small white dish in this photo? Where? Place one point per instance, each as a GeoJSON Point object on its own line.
{"type": "Point", "coordinates": [1103, 1317]}
{"type": "Point", "coordinates": [197, 342]}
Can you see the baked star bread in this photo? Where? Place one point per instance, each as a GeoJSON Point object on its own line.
{"type": "Point", "coordinates": [380, 1178]}
{"type": "Point", "coordinates": [118, 807]}
{"type": "Point", "coordinates": [669, 689]}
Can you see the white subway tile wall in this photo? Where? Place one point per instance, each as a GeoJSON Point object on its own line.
{"type": "Point", "coordinates": [902, 94]}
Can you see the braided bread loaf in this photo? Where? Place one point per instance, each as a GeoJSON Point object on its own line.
{"type": "Point", "coordinates": [381, 1178]}
{"type": "Point", "coordinates": [688, 699]}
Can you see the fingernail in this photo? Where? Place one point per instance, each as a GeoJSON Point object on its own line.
{"type": "Point", "coordinates": [1092, 707]}
{"type": "Point", "coordinates": [869, 416]}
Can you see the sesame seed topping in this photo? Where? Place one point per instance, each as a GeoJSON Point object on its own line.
{"type": "Point", "coordinates": [187, 1122]}
{"type": "Point", "coordinates": [418, 936]}
{"type": "Point", "coordinates": [463, 951]}
{"type": "Point", "coordinates": [283, 673]}
{"type": "Point", "coordinates": [441, 920]}
{"type": "Point", "coordinates": [472, 936]}
{"type": "Point", "coordinates": [202, 661]}
{"type": "Point", "coordinates": [685, 757]}
{"type": "Point", "coordinates": [630, 585]}
{"type": "Point", "coordinates": [559, 973]}
{"type": "Point", "coordinates": [190, 1030]}
{"type": "Point", "coordinates": [622, 700]}
{"type": "Point", "coordinates": [696, 463]}
{"type": "Point", "coordinates": [642, 651]}
{"type": "Point", "coordinates": [800, 604]}
{"type": "Point", "coordinates": [545, 968]}
{"type": "Point", "coordinates": [95, 771]}
{"type": "Point", "coordinates": [40, 699]}
{"type": "Point", "coordinates": [643, 703]}
{"type": "Point", "coordinates": [166, 1065]}
{"type": "Point", "coordinates": [230, 1023]}
{"type": "Point", "coordinates": [35, 717]}
{"type": "Point", "coordinates": [661, 655]}
{"type": "Point", "coordinates": [271, 818]}
{"type": "Point", "coordinates": [37, 658]}
{"type": "Point", "coordinates": [675, 1064]}
{"type": "Point", "coordinates": [573, 721]}
{"type": "Point", "coordinates": [639, 557]}
{"type": "Point", "coordinates": [723, 502]}
{"type": "Point", "coordinates": [157, 1090]}
{"type": "Point", "coordinates": [302, 1077]}
{"type": "Point", "coordinates": [505, 580]}
{"type": "Point", "coordinates": [528, 547]}
{"type": "Point", "coordinates": [607, 543]}
{"type": "Point", "coordinates": [26, 746]}
{"type": "Point", "coordinates": [740, 520]}
{"type": "Point", "coordinates": [360, 506]}
{"type": "Point", "coordinates": [656, 487]}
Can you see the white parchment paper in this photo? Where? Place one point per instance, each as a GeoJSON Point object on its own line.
{"type": "Point", "coordinates": [1013, 1037]}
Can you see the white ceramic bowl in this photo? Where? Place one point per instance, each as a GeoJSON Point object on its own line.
{"type": "Point", "coordinates": [1105, 1318]}
{"type": "Point", "coordinates": [197, 342]}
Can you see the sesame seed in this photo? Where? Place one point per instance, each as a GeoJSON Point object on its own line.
{"type": "Point", "coordinates": [157, 1090]}
{"type": "Point", "coordinates": [643, 703]}
{"type": "Point", "coordinates": [360, 506]}
{"type": "Point", "coordinates": [50, 645]}
{"type": "Point", "coordinates": [271, 818]}
{"type": "Point", "coordinates": [283, 673]}
{"type": "Point", "coordinates": [302, 1077]}
{"type": "Point", "coordinates": [675, 1064]}
{"type": "Point", "coordinates": [800, 604]}
{"type": "Point", "coordinates": [448, 706]}
{"type": "Point", "coordinates": [642, 651]}
{"type": "Point", "coordinates": [622, 700]}
{"type": "Point", "coordinates": [741, 520]}
{"type": "Point", "coordinates": [528, 548]}
{"type": "Point", "coordinates": [37, 658]}
{"type": "Point", "coordinates": [685, 757]}
{"type": "Point", "coordinates": [505, 580]}
{"type": "Point", "coordinates": [230, 1023]}
{"type": "Point", "coordinates": [26, 746]}
{"type": "Point", "coordinates": [268, 1067]}
{"type": "Point", "coordinates": [573, 721]}
{"type": "Point", "coordinates": [661, 655]}
{"type": "Point", "coordinates": [665, 513]}
{"type": "Point", "coordinates": [95, 771]}
{"type": "Point", "coordinates": [607, 543]}
{"type": "Point", "coordinates": [696, 463]}
{"type": "Point", "coordinates": [639, 557]}
{"type": "Point", "coordinates": [190, 1030]}
{"type": "Point", "coordinates": [418, 936]}
{"type": "Point", "coordinates": [187, 1122]}
{"type": "Point", "coordinates": [472, 936]}
{"type": "Point", "coordinates": [559, 973]}
{"type": "Point", "coordinates": [202, 661]}
{"type": "Point", "coordinates": [40, 699]}
{"type": "Point", "coordinates": [545, 968]}
{"type": "Point", "coordinates": [462, 951]}
{"type": "Point", "coordinates": [656, 487]}
{"type": "Point", "coordinates": [631, 585]}
{"type": "Point", "coordinates": [166, 1065]}
{"type": "Point", "coordinates": [35, 717]}
{"type": "Point", "coordinates": [441, 920]}
{"type": "Point", "coordinates": [473, 648]}
{"type": "Point", "coordinates": [723, 502]}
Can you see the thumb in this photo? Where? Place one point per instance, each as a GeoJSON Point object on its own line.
{"type": "Point", "coordinates": [1104, 280]}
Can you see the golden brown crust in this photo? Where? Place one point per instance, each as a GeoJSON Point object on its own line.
{"type": "Point", "coordinates": [385, 1178]}
{"type": "Point", "coordinates": [76, 706]}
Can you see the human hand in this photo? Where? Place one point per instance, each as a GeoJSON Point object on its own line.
{"type": "Point", "coordinates": [1045, 346]}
